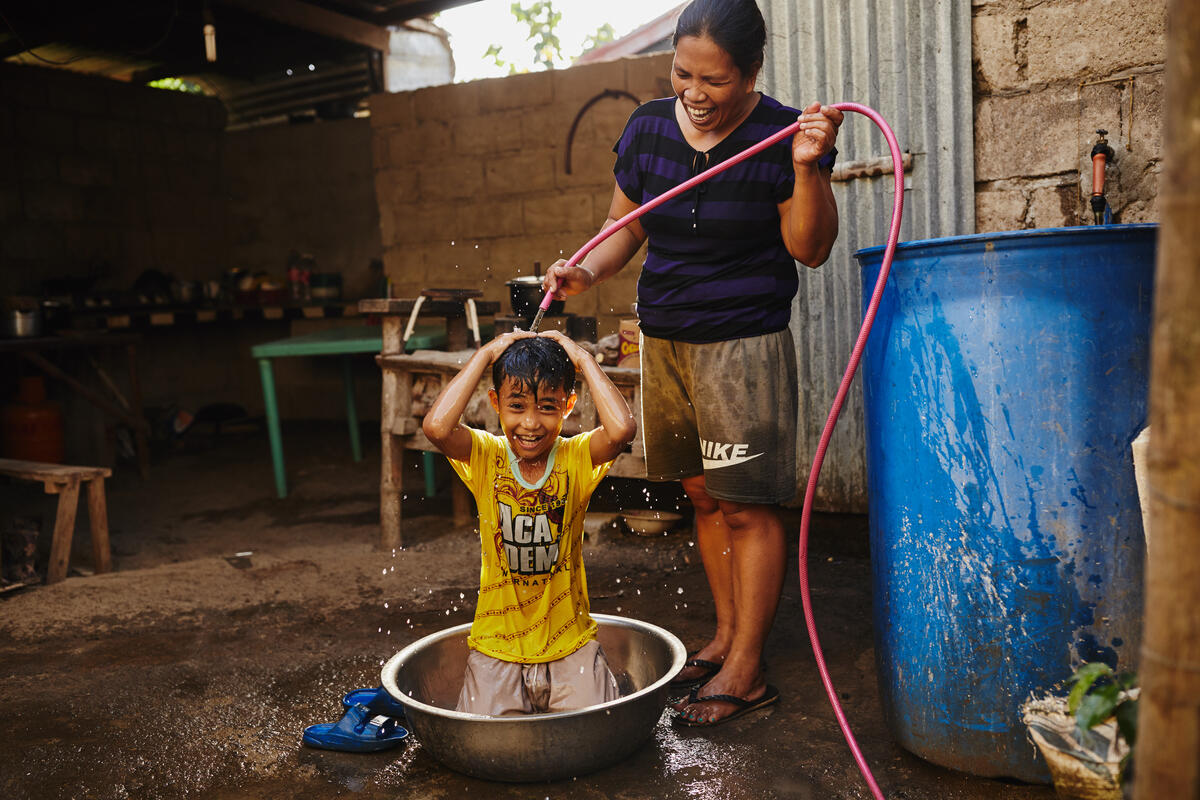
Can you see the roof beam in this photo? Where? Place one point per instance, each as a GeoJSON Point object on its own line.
{"type": "Point", "coordinates": [411, 9]}
{"type": "Point", "coordinates": [306, 16]}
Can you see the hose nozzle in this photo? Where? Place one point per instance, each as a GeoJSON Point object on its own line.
{"type": "Point", "coordinates": [541, 312]}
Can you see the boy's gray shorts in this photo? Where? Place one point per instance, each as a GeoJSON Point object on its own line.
{"type": "Point", "coordinates": [496, 688]}
{"type": "Point", "coordinates": [726, 410]}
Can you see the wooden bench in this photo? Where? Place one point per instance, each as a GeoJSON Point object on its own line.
{"type": "Point", "coordinates": [64, 481]}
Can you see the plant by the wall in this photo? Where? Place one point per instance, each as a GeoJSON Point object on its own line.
{"type": "Point", "coordinates": [1098, 693]}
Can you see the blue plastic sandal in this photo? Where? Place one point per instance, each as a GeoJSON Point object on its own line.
{"type": "Point", "coordinates": [358, 731]}
{"type": "Point", "coordinates": [378, 700]}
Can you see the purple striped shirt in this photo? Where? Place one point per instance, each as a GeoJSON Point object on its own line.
{"type": "Point", "coordinates": [716, 267]}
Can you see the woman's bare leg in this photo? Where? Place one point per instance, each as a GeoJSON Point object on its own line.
{"type": "Point", "coordinates": [712, 538]}
{"type": "Point", "coordinates": [759, 551]}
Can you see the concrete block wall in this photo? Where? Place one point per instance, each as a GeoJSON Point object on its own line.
{"type": "Point", "coordinates": [1047, 75]}
{"type": "Point", "coordinates": [309, 188]}
{"type": "Point", "coordinates": [472, 183]}
{"type": "Point", "coordinates": [105, 178]}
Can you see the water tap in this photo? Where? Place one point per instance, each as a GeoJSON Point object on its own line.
{"type": "Point", "coordinates": [1102, 154]}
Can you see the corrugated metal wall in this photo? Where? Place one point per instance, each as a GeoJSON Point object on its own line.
{"type": "Point", "coordinates": [911, 61]}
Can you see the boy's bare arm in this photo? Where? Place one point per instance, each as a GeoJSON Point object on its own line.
{"type": "Point", "coordinates": [443, 422]}
{"type": "Point", "coordinates": [617, 426]}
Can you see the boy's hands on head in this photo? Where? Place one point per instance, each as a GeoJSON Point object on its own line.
{"type": "Point", "coordinates": [576, 353]}
{"type": "Point", "coordinates": [502, 342]}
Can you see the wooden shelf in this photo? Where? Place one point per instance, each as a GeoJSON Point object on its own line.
{"type": "Point", "coordinates": [166, 316]}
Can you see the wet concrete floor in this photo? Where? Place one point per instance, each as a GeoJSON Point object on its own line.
{"type": "Point", "coordinates": [187, 673]}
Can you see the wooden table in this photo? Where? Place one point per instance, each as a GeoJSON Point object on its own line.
{"type": "Point", "coordinates": [394, 313]}
{"type": "Point", "coordinates": [128, 410]}
{"type": "Point", "coordinates": [410, 385]}
{"type": "Point", "coordinates": [344, 342]}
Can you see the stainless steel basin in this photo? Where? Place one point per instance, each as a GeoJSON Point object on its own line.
{"type": "Point", "coordinates": [427, 675]}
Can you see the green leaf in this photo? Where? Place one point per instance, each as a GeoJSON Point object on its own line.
{"type": "Point", "coordinates": [1127, 721]}
{"type": "Point", "coordinates": [1090, 671]}
{"type": "Point", "coordinates": [1083, 679]}
{"type": "Point", "coordinates": [1097, 707]}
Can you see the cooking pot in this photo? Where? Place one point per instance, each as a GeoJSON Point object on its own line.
{"type": "Point", "coordinates": [21, 323]}
{"type": "Point", "coordinates": [526, 295]}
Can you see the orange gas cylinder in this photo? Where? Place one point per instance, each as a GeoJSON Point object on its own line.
{"type": "Point", "coordinates": [31, 427]}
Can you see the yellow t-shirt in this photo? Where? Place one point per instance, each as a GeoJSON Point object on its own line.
{"type": "Point", "coordinates": [533, 603]}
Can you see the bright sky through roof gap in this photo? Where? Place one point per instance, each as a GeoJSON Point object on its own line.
{"type": "Point", "coordinates": [475, 26]}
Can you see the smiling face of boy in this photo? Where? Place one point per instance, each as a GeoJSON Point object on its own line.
{"type": "Point", "coordinates": [531, 419]}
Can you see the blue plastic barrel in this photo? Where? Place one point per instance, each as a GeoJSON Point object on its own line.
{"type": "Point", "coordinates": [1004, 379]}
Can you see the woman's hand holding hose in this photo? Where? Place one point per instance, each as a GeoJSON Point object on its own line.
{"type": "Point", "coordinates": [565, 280]}
{"type": "Point", "coordinates": [818, 131]}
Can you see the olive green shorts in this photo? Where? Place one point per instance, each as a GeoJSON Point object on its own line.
{"type": "Point", "coordinates": [726, 410]}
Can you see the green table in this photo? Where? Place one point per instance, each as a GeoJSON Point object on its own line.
{"type": "Point", "coordinates": [344, 342]}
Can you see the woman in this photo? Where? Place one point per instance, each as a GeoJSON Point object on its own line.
{"type": "Point", "coordinates": [714, 298]}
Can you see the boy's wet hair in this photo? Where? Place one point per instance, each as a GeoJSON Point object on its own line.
{"type": "Point", "coordinates": [535, 363]}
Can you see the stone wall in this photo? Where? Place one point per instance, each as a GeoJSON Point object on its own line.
{"type": "Point", "coordinates": [102, 180]}
{"type": "Point", "coordinates": [308, 188]}
{"type": "Point", "coordinates": [107, 179]}
{"type": "Point", "coordinates": [1047, 76]}
{"type": "Point", "coordinates": [472, 183]}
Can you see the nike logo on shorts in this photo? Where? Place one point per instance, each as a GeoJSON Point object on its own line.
{"type": "Point", "coordinates": [718, 454]}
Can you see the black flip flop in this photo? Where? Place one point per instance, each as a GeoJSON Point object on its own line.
{"type": "Point", "coordinates": [770, 696]}
{"type": "Point", "coordinates": [711, 668]}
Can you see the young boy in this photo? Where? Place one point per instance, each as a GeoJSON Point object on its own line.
{"type": "Point", "coordinates": [533, 644]}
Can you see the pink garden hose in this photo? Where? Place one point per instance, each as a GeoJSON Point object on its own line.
{"type": "Point", "coordinates": [855, 356]}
